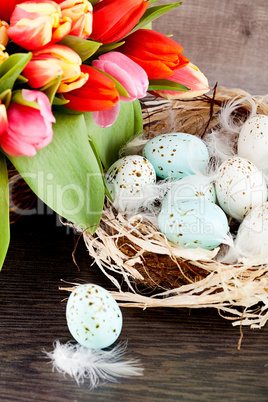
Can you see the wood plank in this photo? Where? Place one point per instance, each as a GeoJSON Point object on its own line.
{"type": "Point", "coordinates": [227, 40]}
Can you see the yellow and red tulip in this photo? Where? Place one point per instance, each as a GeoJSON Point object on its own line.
{"type": "Point", "coordinates": [49, 62]}
{"type": "Point", "coordinates": [157, 54]}
{"type": "Point", "coordinates": [29, 128]}
{"type": "Point", "coordinates": [192, 78]}
{"type": "Point", "coordinates": [113, 19]}
{"type": "Point", "coordinates": [4, 38]}
{"type": "Point", "coordinates": [35, 24]}
{"type": "Point", "coordinates": [80, 13]}
{"type": "Point", "coordinates": [3, 118]}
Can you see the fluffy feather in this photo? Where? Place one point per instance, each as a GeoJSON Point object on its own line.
{"type": "Point", "coordinates": [93, 365]}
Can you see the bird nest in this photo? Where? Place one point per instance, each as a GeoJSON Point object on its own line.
{"type": "Point", "coordinates": [158, 273]}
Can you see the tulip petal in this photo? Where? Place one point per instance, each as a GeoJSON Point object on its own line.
{"type": "Point", "coordinates": [192, 78]}
{"type": "Point", "coordinates": [128, 73]}
{"type": "Point", "coordinates": [106, 118]}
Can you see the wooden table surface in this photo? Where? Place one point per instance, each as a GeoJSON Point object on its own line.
{"type": "Point", "coordinates": [187, 355]}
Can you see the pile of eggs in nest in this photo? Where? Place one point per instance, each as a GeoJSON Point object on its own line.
{"type": "Point", "coordinates": [196, 209]}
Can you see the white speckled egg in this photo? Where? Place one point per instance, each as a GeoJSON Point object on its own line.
{"type": "Point", "coordinates": [176, 155]}
{"type": "Point", "coordinates": [252, 235]}
{"type": "Point", "coordinates": [253, 141]}
{"type": "Point", "coordinates": [127, 178]}
{"type": "Point", "coordinates": [190, 188]}
{"type": "Point", "coordinates": [93, 316]}
{"type": "Point", "coordinates": [240, 187]}
{"type": "Point", "coordinates": [194, 223]}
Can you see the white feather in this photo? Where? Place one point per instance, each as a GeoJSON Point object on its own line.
{"type": "Point", "coordinates": [93, 365]}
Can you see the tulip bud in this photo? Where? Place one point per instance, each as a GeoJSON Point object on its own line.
{"type": "Point", "coordinates": [113, 19]}
{"type": "Point", "coordinates": [80, 13]}
{"type": "Point", "coordinates": [29, 129]}
{"type": "Point", "coordinates": [4, 38]}
{"type": "Point", "coordinates": [192, 78]}
{"type": "Point", "coordinates": [51, 61]}
{"type": "Point", "coordinates": [34, 24]}
{"type": "Point", "coordinates": [157, 54]}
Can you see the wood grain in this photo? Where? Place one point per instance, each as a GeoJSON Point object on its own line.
{"type": "Point", "coordinates": [187, 355]}
{"type": "Point", "coordinates": [227, 40]}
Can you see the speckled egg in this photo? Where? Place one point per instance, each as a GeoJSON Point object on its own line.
{"type": "Point", "coordinates": [93, 316]}
{"type": "Point", "coordinates": [240, 187]}
{"type": "Point", "coordinates": [252, 235]}
{"type": "Point", "coordinates": [176, 155]}
{"type": "Point", "coordinates": [194, 223]}
{"type": "Point", "coordinates": [253, 141]}
{"type": "Point", "coordinates": [190, 188]}
{"type": "Point", "coordinates": [127, 178]}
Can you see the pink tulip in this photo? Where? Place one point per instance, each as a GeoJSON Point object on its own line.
{"type": "Point", "coordinates": [35, 23]}
{"type": "Point", "coordinates": [29, 129]}
{"type": "Point", "coordinates": [192, 78]}
{"type": "Point", "coordinates": [80, 13]}
{"type": "Point", "coordinates": [49, 62]}
{"type": "Point", "coordinates": [129, 74]}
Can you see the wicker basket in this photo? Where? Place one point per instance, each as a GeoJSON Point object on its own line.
{"type": "Point", "coordinates": [156, 272]}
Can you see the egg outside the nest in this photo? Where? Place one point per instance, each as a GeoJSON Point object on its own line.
{"type": "Point", "coordinates": [240, 187]}
{"type": "Point", "coordinates": [93, 316]}
{"type": "Point", "coordinates": [252, 235]}
{"type": "Point", "coordinates": [253, 141]}
{"type": "Point", "coordinates": [194, 223]}
{"type": "Point", "coordinates": [176, 155]}
{"type": "Point", "coordinates": [128, 180]}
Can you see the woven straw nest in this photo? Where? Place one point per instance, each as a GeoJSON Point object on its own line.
{"type": "Point", "coordinates": [158, 273]}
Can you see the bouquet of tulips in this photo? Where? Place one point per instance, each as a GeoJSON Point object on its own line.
{"type": "Point", "coordinates": [71, 74]}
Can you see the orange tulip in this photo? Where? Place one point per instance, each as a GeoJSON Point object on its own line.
{"type": "Point", "coordinates": [34, 24]}
{"type": "Point", "coordinates": [49, 62]}
{"type": "Point", "coordinates": [80, 13]}
{"type": "Point", "coordinates": [157, 54]}
{"type": "Point", "coordinates": [97, 94]}
{"type": "Point", "coordinates": [114, 19]}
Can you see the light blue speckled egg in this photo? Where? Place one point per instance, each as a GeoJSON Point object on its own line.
{"type": "Point", "coordinates": [194, 223]}
{"type": "Point", "coordinates": [190, 188]}
{"type": "Point", "coordinates": [93, 316]}
{"type": "Point", "coordinates": [176, 155]}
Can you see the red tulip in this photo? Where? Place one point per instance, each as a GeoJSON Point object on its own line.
{"type": "Point", "coordinates": [114, 19]}
{"type": "Point", "coordinates": [157, 54]}
{"type": "Point", "coordinates": [7, 8]}
{"type": "Point", "coordinates": [98, 93]}
{"type": "Point", "coordinates": [29, 129]}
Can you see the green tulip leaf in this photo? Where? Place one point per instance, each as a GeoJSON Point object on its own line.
{"type": "Point", "coordinates": [59, 100]}
{"type": "Point", "coordinates": [166, 85]}
{"type": "Point", "coordinates": [4, 210]}
{"type": "Point", "coordinates": [51, 88]}
{"type": "Point", "coordinates": [66, 174]}
{"type": "Point", "coordinates": [108, 48]}
{"type": "Point", "coordinates": [6, 97]}
{"type": "Point", "coordinates": [108, 141]}
{"type": "Point", "coordinates": [11, 68]}
{"type": "Point", "coordinates": [152, 13]}
{"type": "Point", "coordinates": [83, 47]}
